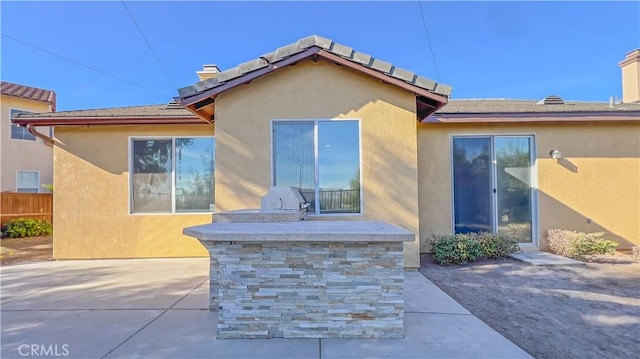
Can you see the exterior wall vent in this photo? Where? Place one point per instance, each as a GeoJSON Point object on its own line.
{"type": "Point", "coordinates": [173, 105]}
{"type": "Point", "coordinates": [551, 100]}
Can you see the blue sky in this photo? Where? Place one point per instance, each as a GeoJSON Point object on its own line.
{"type": "Point", "coordinates": [524, 50]}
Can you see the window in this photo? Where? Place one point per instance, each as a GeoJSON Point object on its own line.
{"type": "Point", "coordinates": [20, 133]}
{"type": "Point", "coordinates": [173, 175]}
{"type": "Point", "coordinates": [27, 181]}
{"type": "Point", "coordinates": [321, 159]}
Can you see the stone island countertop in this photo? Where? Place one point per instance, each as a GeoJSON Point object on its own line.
{"type": "Point", "coordinates": [306, 279]}
{"type": "Point", "coordinates": [303, 231]}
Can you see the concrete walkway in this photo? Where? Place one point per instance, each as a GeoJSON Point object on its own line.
{"type": "Point", "coordinates": [158, 309]}
{"type": "Point", "coordinates": [539, 258]}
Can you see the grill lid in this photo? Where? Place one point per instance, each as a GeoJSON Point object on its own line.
{"type": "Point", "coordinates": [283, 198]}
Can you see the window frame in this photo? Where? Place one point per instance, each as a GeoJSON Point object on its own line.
{"type": "Point", "coordinates": [173, 174]}
{"type": "Point", "coordinates": [27, 171]}
{"type": "Point", "coordinates": [315, 121]}
{"type": "Point", "coordinates": [24, 130]}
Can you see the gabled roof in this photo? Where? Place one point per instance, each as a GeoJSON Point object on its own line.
{"type": "Point", "coordinates": [150, 114]}
{"type": "Point", "coordinates": [200, 97]}
{"type": "Point", "coordinates": [29, 93]}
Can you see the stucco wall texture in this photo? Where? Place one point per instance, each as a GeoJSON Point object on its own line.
{"type": "Point", "coordinates": [23, 155]}
{"type": "Point", "coordinates": [406, 169]}
{"type": "Point", "coordinates": [595, 187]}
{"type": "Point", "coordinates": [91, 198]}
{"type": "Point", "coordinates": [322, 91]}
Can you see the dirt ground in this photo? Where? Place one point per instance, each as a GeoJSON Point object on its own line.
{"type": "Point", "coordinates": [25, 250]}
{"type": "Point", "coordinates": [589, 311]}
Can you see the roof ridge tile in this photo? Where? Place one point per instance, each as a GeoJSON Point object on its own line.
{"type": "Point", "coordinates": [326, 44]}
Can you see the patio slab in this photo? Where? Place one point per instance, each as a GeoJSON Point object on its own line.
{"type": "Point", "coordinates": [111, 289]}
{"type": "Point", "coordinates": [158, 309]}
{"type": "Point", "coordinates": [191, 334]}
{"type": "Point", "coordinates": [422, 296]}
{"type": "Point", "coordinates": [13, 287]}
{"type": "Point", "coordinates": [81, 333]}
{"type": "Point", "coordinates": [539, 258]}
{"type": "Point", "coordinates": [430, 336]}
{"type": "Point", "coordinates": [197, 299]}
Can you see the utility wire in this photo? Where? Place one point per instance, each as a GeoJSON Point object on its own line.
{"type": "Point", "coordinates": [85, 66]}
{"type": "Point", "coordinates": [149, 44]}
{"type": "Point", "coordinates": [426, 30]}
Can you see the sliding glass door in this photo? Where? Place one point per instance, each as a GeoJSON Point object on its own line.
{"type": "Point", "coordinates": [492, 185]}
{"type": "Point", "coordinates": [472, 185]}
{"type": "Point", "coordinates": [513, 186]}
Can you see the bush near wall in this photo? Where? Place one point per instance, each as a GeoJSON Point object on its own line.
{"type": "Point", "coordinates": [462, 248]}
{"type": "Point", "coordinates": [578, 245]}
{"type": "Point", "coordinates": [26, 227]}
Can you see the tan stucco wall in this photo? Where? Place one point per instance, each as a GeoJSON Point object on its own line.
{"type": "Point", "coordinates": [91, 198]}
{"type": "Point", "coordinates": [23, 155]}
{"type": "Point", "coordinates": [605, 189]}
{"type": "Point", "coordinates": [322, 91]}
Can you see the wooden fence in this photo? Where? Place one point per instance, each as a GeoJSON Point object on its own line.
{"type": "Point", "coordinates": [26, 205]}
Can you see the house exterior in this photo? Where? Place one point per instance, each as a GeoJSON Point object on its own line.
{"type": "Point", "coordinates": [593, 185]}
{"type": "Point", "coordinates": [361, 139]}
{"type": "Point", "coordinates": [26, 162]}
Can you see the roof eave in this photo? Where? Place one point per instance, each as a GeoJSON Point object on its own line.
{"type": "Point", "coordinates": [102, 120]}
{"type": "Point", "coordinates": [533, 117]}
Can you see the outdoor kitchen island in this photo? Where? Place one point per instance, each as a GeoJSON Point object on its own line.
{"type": "Point", "coordinates": [306, 279]}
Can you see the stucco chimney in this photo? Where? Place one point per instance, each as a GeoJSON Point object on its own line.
{"type": "Point", "coordinates": [631, 77]}
{"type": "Point", "coordinates": [208, 71]}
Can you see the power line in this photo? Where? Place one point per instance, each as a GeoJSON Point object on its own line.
{"type": "Point", "coordinates": [426, 30]}
{"type": "Point", "coordinates": [85, 66]}
{"type": "Point", "coordinates": [149, 44]}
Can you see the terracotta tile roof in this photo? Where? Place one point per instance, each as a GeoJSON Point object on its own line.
{"type": "Point", "coordinates": [506, 106]}
{"type": "Point", "coordinates": [28, 92]}
{"type": "Point", "coordinates": [344, 52]}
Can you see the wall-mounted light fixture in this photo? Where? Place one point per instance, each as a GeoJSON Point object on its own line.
{"type": "Point", "coordinates": [555, 154]}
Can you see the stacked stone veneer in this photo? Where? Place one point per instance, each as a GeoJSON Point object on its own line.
{"type": "Point", "coordinates": [307, 289]}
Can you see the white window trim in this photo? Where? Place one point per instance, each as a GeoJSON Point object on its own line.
{"type": "Point", "coordinates": [27, 171]}
{"type": "Point", "coordinates": [11, 124]}
{"type": "Point", "coordinates": [315, 153]}
{"type": "Point", "coordinates": [173, 185]}
{"type": "Point", "coordinates": [535, 224]}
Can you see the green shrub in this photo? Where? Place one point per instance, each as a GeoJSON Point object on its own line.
{"type": "Point", "coordinates": [577, 245]}
{"type": "Point", "coordinates": [497, 245]}
{"type": "Point", "coordinates": [26, 227]}
{"type": "Point", "coordinates": [455, 249]}
{"type": "Point", "coordinates": [469, 247]}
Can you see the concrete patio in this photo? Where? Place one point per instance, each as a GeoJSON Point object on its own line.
{"type": "Point", "coordinates": [157, 308]}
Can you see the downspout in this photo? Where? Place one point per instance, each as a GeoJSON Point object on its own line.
{"type": "Point", "coordinates": [48, 140]}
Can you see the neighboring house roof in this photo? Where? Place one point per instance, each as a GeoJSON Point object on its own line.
{"type": "Point", "coordinates": [150, 114]}
{"type": "Point", "coordinates": [29, 93]}
{"type": "Point", "coordinates": [507, 110]}
{"type": "Point", "coordinates": [199, 98]}
{"type": "Point", "coordinates": [475, 106]}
